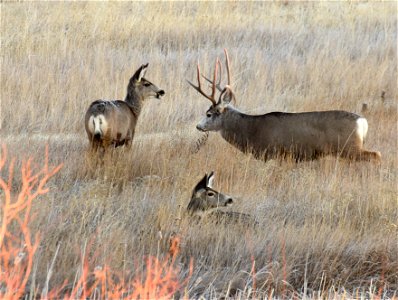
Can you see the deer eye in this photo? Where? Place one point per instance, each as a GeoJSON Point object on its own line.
{"type": "Point", "coordinates": [147, 84]}
{"type": "Point", "coordinates": [210, 194]}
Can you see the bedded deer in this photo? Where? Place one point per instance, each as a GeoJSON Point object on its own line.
{"type": "Point", "coordinates": [208, 203]}
{"type": "Point", "coordinates": [302, 136]}
{"type": "Point", "coordinates": [113, 122]}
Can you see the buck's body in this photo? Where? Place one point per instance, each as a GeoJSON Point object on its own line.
{"type": "Point", "coordinates": [301, 136]}
{"type": "Point", "coordinates": [113, 122]}
{"type": "Point", "coordinates": [306, 135]}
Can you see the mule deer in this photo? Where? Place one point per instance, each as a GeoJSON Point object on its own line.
{"type": "Point", "coordinates": [113, 122]}
{"type": "Point", "coordinates": [207, 202]}
{"type": "Point", "coordinates": [302, 136]}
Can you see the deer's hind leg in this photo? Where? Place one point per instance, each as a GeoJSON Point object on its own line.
{"type": "Point", "coordinates": [369, 155]}
{"type": "Point", "coordinates": [363, 155]}
{"type": "Point", "coordinates": [129, 139]}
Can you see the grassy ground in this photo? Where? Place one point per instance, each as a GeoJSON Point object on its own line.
{"type": "Point", "coordinates": [327, 227]}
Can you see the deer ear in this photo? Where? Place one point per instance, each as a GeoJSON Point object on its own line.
{"type": "Point", "coordinates": [227, 95]}
{"type": "Point", "coordinates": [140, 73]}
{"type": "Point", "coordinates": [202, 184]}
{"type": "Point", "coordinates": [210, 179]}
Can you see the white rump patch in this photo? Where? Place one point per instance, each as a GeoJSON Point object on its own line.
{"type": "Point", "coordinates": [98, 124]}
{"type": "Point", "coordinates": [362, 128]}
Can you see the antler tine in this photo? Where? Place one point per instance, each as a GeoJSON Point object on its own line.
{"type": "Point", "coordinates": [218, 85]}
{"type": "Point", "coordinates": [199, 87]}
{"type": "Point", "coordinates": [227, 63]}
{"type": "Point", "coordinates": [219, 80]}
{"type": "Point", "coordinates": [198, 75]}
{"type": "Point", "coordinates": [213, 89]}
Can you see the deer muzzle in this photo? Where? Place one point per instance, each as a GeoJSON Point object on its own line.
{"type": "Point", "coordinates": [200, 128]}
{"type": "Point", "coordinates": [160, 94]}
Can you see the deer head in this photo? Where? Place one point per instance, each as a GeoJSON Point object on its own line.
{"type": "Point", "coordinates": [141, 87]}
{"type": "Point", "coordinates": [214, 115]}
{"type": "Point", "coordinates": [205, 199]}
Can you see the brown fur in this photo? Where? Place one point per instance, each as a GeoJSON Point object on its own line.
{"type": "Point", "coordinates": [207, 203]}
{"type": "Point", "coordinates": [301, 136]}
{"type": "Point", "coordinates": [120, 116]}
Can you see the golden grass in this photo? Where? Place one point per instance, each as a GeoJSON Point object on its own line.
{"type": "Point", "coordinates": [327, 228]}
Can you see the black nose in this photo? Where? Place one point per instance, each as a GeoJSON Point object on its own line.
{"type": "Point", "coordinates": [199, 128]}
{"type": "Point", "coordinates": [230, 201]}
{"type": "Point", "coordinates": [161, 93]}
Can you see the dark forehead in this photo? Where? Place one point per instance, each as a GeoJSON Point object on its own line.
{"type": "Point", "coordinates": [212, 108]}
{"type": "Point", "coordinates": [209, 189]}
{"type": "Point", "coordinates": [143, 80]}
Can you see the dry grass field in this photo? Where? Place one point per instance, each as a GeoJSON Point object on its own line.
{"type": "Point", "coordinates": [327, 228]}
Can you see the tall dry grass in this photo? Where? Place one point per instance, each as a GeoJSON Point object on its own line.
{"type": "Point", "coordinates": [327, 228]}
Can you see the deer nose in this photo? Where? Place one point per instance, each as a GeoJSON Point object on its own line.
{"type": "Point", "coordinates": [198, 127]}
{"type": "Point", "coordinates": [161, 93]}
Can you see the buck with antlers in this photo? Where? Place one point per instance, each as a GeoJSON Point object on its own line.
{"type": "Point", "coordinates": [302, 136]}
{"type": "Point", "coordinates": [112, 123]}
{"type": "Point", "coordinates": [208, 203]}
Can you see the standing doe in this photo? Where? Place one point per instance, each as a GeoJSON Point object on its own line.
{"type": "Point", "coordinates": [302, 136]}
{"type": "Point", "coordinates": [208, 203]}
{"type": "Point", "coordinates": [113, 122]}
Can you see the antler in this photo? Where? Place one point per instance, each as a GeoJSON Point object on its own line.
{"type": "Point", "coordinates": [213, 89]}
{"type": "Point", "coordinates": [227, 63]}
{"type": "Point", "coordinates": [213, 82]}
{"type": "Point", "coordinates": [218, 85]}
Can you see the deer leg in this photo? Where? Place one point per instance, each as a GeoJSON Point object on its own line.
{"type": "Point", "coordinates": [118, 141]}
{"type": "Point", "coordinates": [369, 155]}
{"type": "Point", "coordinates": [95, 145]}
{"type": "Point", "coordinates": [126, 142]}
{"type": "Point", "coordinates": [129, 139]}
{"type": "Point", "coordinates": [362, 155]}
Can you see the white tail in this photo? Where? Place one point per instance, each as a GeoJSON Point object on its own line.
{"type": "Point", "coordinates": [302, 136]}
{"type": "Point", "coordinates": [113, 122]}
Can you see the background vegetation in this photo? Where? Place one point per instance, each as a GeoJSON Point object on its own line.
{"type": "Point", "coordinates": [327, 227]}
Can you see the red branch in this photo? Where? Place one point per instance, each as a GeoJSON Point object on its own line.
{"type": "Point", "coordinates": [17, 247]}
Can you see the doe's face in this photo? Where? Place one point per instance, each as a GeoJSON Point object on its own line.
{"type": "Point", "coordinates": [213, 119]}
{"type": "Point", "coordinates": [142, 87]}
{"type": "Point", "coordinates": [147, 89]}
{"type": "Point", "coordinates": [205, 199]}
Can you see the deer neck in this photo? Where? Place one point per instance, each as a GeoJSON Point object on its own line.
{"type": "Point", "coordinates": [135, 101]}
{"type": "Point", "coordinates": [235, 127]}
